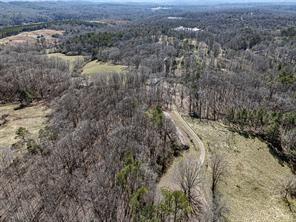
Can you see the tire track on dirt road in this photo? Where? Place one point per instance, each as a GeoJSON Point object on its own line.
{"type": "Point", "coordinates": [184, 126]}
{"type": "Point", "coordinates": [196, 152]}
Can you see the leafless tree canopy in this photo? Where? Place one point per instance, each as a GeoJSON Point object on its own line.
{"type": "Point", "coordinates": [190, 180]}
{"type": "Point", "coordinates": [107, 141]}
{"type": "Point", "coordinates": [218, 165]}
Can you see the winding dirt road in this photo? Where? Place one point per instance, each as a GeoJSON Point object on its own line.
{"type": "Point", "coordinates": [185, 128]}
{"type": "Point", "coordinates": [196, 153]}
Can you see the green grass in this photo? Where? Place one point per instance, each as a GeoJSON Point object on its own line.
{"type": "Point", "coordinates": [71, 60]}
{"type": "Point", "coordinates": [91, 68]}
{"type": "Point", "coordinates": [252, 185]}
{"type": "Point", "coordinates": [95, 67]}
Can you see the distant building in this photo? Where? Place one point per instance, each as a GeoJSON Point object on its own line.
{"type": "Point", "coordinates": [187, 29]}
{"type": "Point", "coordinates": [175, 18]}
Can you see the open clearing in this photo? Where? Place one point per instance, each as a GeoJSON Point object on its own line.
{"type": "Point", "coordinates": [32, 118]}
{"type": "Point", "coordinates": [71, 60]}
{"type": "Point", "coordinates": [251, 186]}
{"type": "Point", "coordinates": [95, 67]}
{"type": "Point", "coordinates": [32, 37]}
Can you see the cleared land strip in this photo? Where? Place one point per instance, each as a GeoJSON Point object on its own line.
{"type": "Point", "coordinates": [183, 125]}
{"type": "Point", "coordinates": [196, 152]}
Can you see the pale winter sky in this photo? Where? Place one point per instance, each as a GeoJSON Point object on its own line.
{"type": "Point", "coordinates": [200, 1]}
{"type": "Point", "coordinates": [178, 2]}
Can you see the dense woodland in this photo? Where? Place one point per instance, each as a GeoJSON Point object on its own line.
{"type": "Point", "coordinates": [66, 25]}
{"type": "Point", "coordinates": [19, 13]}
{"type": "Point", "coordinates": [108, 142]}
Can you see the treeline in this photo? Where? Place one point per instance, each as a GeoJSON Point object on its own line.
{"type": "Point", "coordinates": [90, 43]}
{"type": "Point", "coordinates": [253, 93]}
{"type": "Point", "coordinates": [275, 127]}
{"type": "Point", "coordinates": [14, 30]}
{"type": "Point", "coordinates": [126, 39]}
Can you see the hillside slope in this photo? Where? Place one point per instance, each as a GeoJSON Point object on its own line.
{"type": "Point", "coordinates": [251, 187]}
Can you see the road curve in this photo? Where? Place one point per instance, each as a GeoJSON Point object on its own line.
{"type": "Point", "coordinates": [184, 127]}
{"type": "Point", "coordinates": [185, 133]}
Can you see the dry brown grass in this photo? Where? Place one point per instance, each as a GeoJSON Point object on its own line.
{"type": "Point", "coordinates": [95, 67]}
{"type": "Point", "coordinates": [251, 187]}
{"type": "Point", "coordinates": [32, 118]}
{"type": "Point", "coordinates": [31, 37]}
{"type": "Point", "coordinates": [71, 60]}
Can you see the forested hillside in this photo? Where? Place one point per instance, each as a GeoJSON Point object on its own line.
{"type": "Point", "coordinates": [157, 75]}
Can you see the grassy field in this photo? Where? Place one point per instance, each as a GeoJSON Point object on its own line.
{"type": "Point", "coordinates": [252, 184]}
{"type": "Point", "coordinates": [95, 67]}
{"type": "Point", "coordinates": [71, 60]}
{"type": "Point", "coordinates": [32, 37]}
{"type": "Point", "coordinates": [32, 118]}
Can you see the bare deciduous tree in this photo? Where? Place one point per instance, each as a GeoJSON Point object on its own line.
{"type": "Point", "coordinates": [218, 170]}
{"type": "Point", "coordinates": [218, 206]}
{"type": "Point", "coordinates": [190, 183]}
{"type": "Point", "coordinates": [289, 192]}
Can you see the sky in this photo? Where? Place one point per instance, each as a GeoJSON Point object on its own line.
{"type": "Point", "coordinates": [198, 1]}
{"type": "Point", "coordinates": [174, 2]}
{"type": "Point", "coordinates": [194, 2]}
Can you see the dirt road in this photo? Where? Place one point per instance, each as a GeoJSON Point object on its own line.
{"type": "Point", "coordinates": [185, 128]}
{"type": "Point", "coordinates": [196, 152]}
